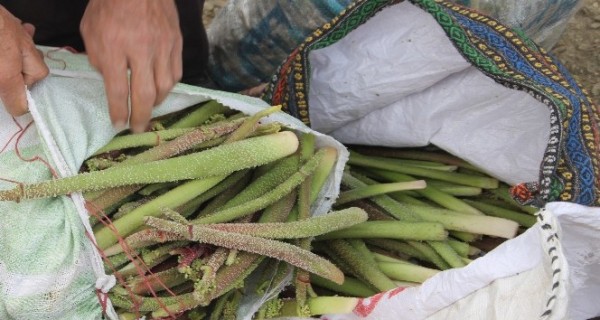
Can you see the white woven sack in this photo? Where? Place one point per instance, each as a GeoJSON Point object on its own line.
{"type": "Point", "coordinates": [48, 267]}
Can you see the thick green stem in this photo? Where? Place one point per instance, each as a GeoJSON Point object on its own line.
{"type": "Point", "coordinates": [523, 219]}
{"type": "Point", "coordinates": [364, 268]}
{"type": "Point", "coordinates": [351, 286]}
{"type": "Point", "coordinates": [322, 305]}
{"type": "Point", "coordinates": [406, 271]}
{"type": "Point", "coordinates": [271, 248]}
{"type": "Point", "coordinates": [263, 201]}
{"type": "Point", "coordinates": [281, 170]}
{"type": "Point", "coordinates": [145, 139]}
{"type": "Point", "coordinates": [250, 125]}
{"type": "Point", "coordinates": [225, 191]}
{"type": "Point", "coordinates": [157, 281]}
{"type": "Point", "coordinates": [469, 180]}
{"type": "Point", "coordinates": [431, 254]}
{"type": "Point", "coordinates": [415, 154]}
{"type": "Point", "coordinates": [200, 115]}
{"type": "Point", "coordinates": [390, 230]}
{"type": "Point", "coordinates": [220, 160]}
{"type": "Point", "coordinates": [443, 199]}
{"type": "Point", "coordinates": [377, 189]}
{"type": "Point", "coordinates": [456, 190]}
{"type": "Point", "coordinates": [163, 151]}
{"type": "Point", "coordinates": [191, 206]}
{"type": "Point", "coordinates": [399, 247]}
{"type": "Point", "coordinates": [129, 223]}
{"type": "Point", "coordinates": [310, 227]}
{"type": "Point", "coordinates": [447, 253]}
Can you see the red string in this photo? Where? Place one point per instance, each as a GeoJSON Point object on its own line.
{"type": "Point", "coordinates": [13, 136]}
{"type": "Point", "coordinates": [35, 158]}
{"type": "Point", "coordinates": [139, 264]}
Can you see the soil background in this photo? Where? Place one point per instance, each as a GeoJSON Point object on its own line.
{"type": "Point", "coordinates": [578, 48]}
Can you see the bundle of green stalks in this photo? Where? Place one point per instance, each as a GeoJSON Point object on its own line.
{"type": "Point", "coordinates": [428, 211]}
{"type": "Point", "coordinates": [185, 212]}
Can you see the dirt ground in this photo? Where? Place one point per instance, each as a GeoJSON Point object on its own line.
{"type": "Point", "coordinates": [578, 48]}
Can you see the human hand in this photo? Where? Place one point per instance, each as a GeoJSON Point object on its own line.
{"type": "Point", "coordinates": [142, 35]}
{"type": "Point", "coordinates": [21, 63]}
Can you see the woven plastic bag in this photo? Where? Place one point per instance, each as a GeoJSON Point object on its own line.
{"type": "Point", "coordinates": [49, 268]}
{"type": "Point", "coordinates": [431, 72]}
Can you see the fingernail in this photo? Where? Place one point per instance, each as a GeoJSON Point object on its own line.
{"type": "Point", "coordinates": [119, 125]}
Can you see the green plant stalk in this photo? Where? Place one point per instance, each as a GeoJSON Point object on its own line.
{"type": "Point", "coordinates": [431, 254]}
{"type": "Point", "coordinates": [150, 259]}
{"type": "Point", "coordinates": [323, 249]}
{"type": "Point", "coordinates": [461, 248]}
{"type": "Point", "coordinates": [456, 190]}
{"type": "Point", "coordinates": [266, 199]}
{"type": "Point", "coordinates": [95, 164]}
{"type": "Point", "coordinates": [200, 115]}
{"type": "Point", "coordinates": [390, 230]}
{"type": "Point", "coordinates": [351, 286]}
{"type": "Point", "coordinates": [224, 159]}
{"type": "Point", "coordinates": [228, 277]}
{"type": "Point", "coordinates": [117, 260]}
{"type": "Point", "coordinates": [404, 198]}
{"type": "Point", "coordinates": [121, 298]}
{"type": "Point", "coordinates": [406, 211]}
{"type": "Point", "coordinates": [379, 257]}
{"type": "Point", "coordinates": [227, 190]}
{"type": "Point", "coordinates": [364, 268]}
{"type": "Point", "coordinates": [233, 305]}
{"type": "Point", "coordinates": [447, 253]}
{"type": "Point", "coordinates": [275, 249]}
{"type": "Point", "coordinates": [373, 211]}
{"type": "Point", "coordinates": [191, 206]}
{"type": "Point", "coordinates": [152, 188]}
{"type": "Point", "coordinates": [398, 247]}
{"type": "Point", "coordinates": [219, 306]}
{"type": "Point", "coordinates": [141, 239]}
{"type": "Point", "coordinates": [321, 305]}
{"type": "Point", "coordinates": [170, 149]}
{"type": "Point", "coordinates": [406, 272]}
{"type": "Point", "coordinates": [129, 206]}
{"type": "Point", "coordinates": [279, 211]}
{"type": "Point", "coordinates": [250, 125]}
{"type": "Point", "coordinates": [443, 199]}
{"type": "Point", "coordinates": [522, 219]}
{"type": "Point", "coordinates": [389, 205]}
{"type": "Point", "coordinates": [157, 281]}
{"type": "Point", "coordinates": [281, 170]}
{"type": "Point", "coordinates": [129, 223]}
{"type": "Point", "coordinates": [302, 278]}
{"type": "Point", "coordinates": [469, 180]}
{"type": "Point", "coordinates": [451, 220]}
{"type": "Point", "coordinates": [310, 227]}
{"type": "Point", "coordinates": [415, 154]}
{"type": "Point", "coordinates": [378, 189]}
{"type": "Point", "coordinates": [144, 139]}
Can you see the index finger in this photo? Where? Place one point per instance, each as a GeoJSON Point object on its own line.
{"type": "Point", "coordinates": [12, 89]}
{"type": "Point", "coordinates": [143, 92]}
{"type": "Point", "coordinates": [116, 83]}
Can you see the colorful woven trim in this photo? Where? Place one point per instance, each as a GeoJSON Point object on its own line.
{"type": "Point", "coordinates": [569, 171]}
